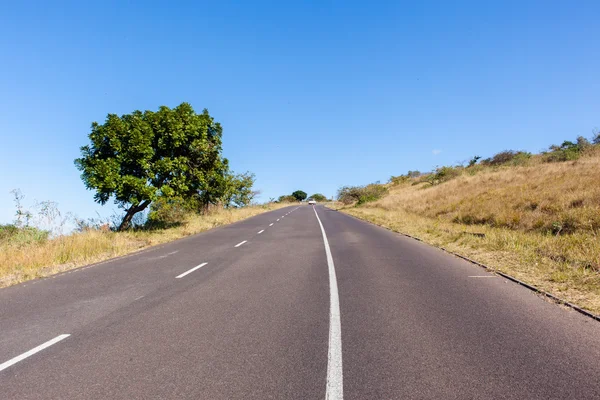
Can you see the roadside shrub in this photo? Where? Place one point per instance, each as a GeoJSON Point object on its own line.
{"type": "Point", "coordinates": [165, 213]}
{"type": "Point", "coordinates": [12, 234]}
{"type": "Point", "coordinates": [361, 194]}
{"type": "Point", "coordinates": [441, 175]}
{"type": "Point", "coordinates": [287, 199]}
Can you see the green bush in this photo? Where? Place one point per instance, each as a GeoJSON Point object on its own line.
{"type": "Point", "coordinates": [567, 151]}
{"type": "Point", "coordinates": [169, 212]}
{"type": "Point", "coordinates": [287, 199]}
{"type": "Point", "coordinates": [13, 234]}
{"type": "Point", "coordinates": [507, 157]}
{"type": "Point", "coordinates": [361, 194]}
{"type": "Point", "coordinates": [441, 175]}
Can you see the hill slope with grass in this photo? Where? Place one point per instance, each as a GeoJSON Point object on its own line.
{"type": "Point", "coordinates": [535, 217]}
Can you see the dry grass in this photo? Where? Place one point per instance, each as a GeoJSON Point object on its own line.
{"type": "Point", "coordinates": [20, 262]}
{"type": "Point", "coordinates": [540, 223]}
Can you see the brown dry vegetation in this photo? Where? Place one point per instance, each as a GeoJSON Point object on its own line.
{"type": "Point", "coordinates": [23, 261]}
{"type": "Point", "coordinates": [539, 221]}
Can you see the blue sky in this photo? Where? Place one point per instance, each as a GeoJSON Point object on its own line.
{"type": "Point", "coordinates": [312, 95]}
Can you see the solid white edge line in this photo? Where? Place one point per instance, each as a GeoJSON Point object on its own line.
{"type": "Point", "coordinates": [31, 352]}
{"type": "Point", "coordinates": [240, 243]}
{"type": "Point", "coordinates": [335, 378]}
{"type": "Point", "coordinates": [261, 231]}
{"type": "Point", "coordinates": [191, 270]}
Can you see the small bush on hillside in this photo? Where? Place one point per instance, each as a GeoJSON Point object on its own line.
{"type": "Point", "coordinates": [596, 139]}
{"type": "Point", "coordinates": [441, 175]}
{"type": "Point", "coordinates": [567, 151]}
{"type": "Point", "coordinates": [165, 213]}
{"type": "Point", "coordinates": [474, 161]}
{"type": "Point", "coordinates": [13, 234]}
{"type": "Point", "coordinates": [361, 194]}
{"type": "Point", "coordinates": [287, 199]}
{"type": "Point", "coordinates": [507, 157]}
{"type": "Point", "coordinates": [396, 180]}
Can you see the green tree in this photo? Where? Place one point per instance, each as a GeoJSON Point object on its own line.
{"type": "Point", "coordinates": [318, 197]}
{"type": "Point", "coordinates": [238, 189]}
{"type": "Point", "coordinates": [299, 195]}
{"type": "Point", "coordinates": [137, 157]}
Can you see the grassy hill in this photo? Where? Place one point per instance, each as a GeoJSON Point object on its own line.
{"type": "Point", "coordinates": [535, 217]}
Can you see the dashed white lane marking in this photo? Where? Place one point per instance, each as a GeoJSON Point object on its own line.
{"type": "Point", "coordinates": [191, 270]}
{"type": "Point", "coordinates": [240, 243]}
{"type": "Point", "coordinates": [277, 219]}
{"type": "Point", "coordinates": [482, 276]}
{"type": "Point", "coordinates": [335, 378]}
{"type": "Point", "coordinates": [31, 352]}
{"type": "Point", "coordinates": [270, 224]}
{"type": "Point", "coordinates": [261, 231]}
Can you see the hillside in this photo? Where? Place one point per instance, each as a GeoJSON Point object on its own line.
{"type": "Point", "coordinates": [535, 217]}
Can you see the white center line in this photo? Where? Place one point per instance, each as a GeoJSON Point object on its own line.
{"type": "Point", "coordinates": [240, 243]}
{"type": "Point", "coordinates": [31, 352]}
{"type": "Point", "coordinates": [270, 224]}
{"type": "Point", "coordinates": [191, 270]}
{"type": "Point", "coordinates": [277, 219]}
{"type": "Point", "coordinates": [261, 231]}
{"type": "Point", "coordinates": [335, 379]}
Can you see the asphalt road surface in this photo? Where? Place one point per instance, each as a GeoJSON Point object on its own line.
{"type": "Point", "coordinates": [280, 307]}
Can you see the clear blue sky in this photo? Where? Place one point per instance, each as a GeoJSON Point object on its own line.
{"type": "Point", "coordinates": [312, 95]}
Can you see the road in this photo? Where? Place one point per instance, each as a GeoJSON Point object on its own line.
{"type": "Point", "coordinates": [271, 308]}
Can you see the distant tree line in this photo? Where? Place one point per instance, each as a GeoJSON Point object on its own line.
{"type": "Point", "coordinates": [300, 195]}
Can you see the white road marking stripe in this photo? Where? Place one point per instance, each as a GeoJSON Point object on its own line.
{"type": "Point", "coordinates": [31, 352]}
{"type": "Point", "coordinates": [270, 224]}
{"type": "Point", "coordinates": [191, 270]}
{"type": "Point", "coordinates": [240, 243]}
{"type": "Point", "coordinates": [277, 220]}
{"type": "Point", "coordinates": [261, 231]}
{"type": "Point", "coordinates": [335, 378]}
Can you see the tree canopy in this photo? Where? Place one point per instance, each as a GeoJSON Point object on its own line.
{"type": "Point", "coordinates": [137, 157]}
{"type": "Point", "coordinates": [299, 195]}
{"type": "Point", "coordinates": [318, 197]}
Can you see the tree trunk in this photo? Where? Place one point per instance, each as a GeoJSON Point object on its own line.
{"type": "Point", "coordinates": [130, 213]}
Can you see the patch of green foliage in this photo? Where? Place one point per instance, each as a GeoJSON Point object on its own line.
{"type": "Point", "coordinates": [567, 151]}
{"type": "Point", "coordinates": [14, 234]}
{"type": "Point", "coordinates": [318, 197]}
{"type": "Point", "coordinates": [300, 195]}
{"type": "Point", "coordinates": [507, 157]}
{"type": "Point", "coordinates": [361, 194]}
{"type": "Point", "coordinates": [287, 198]}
